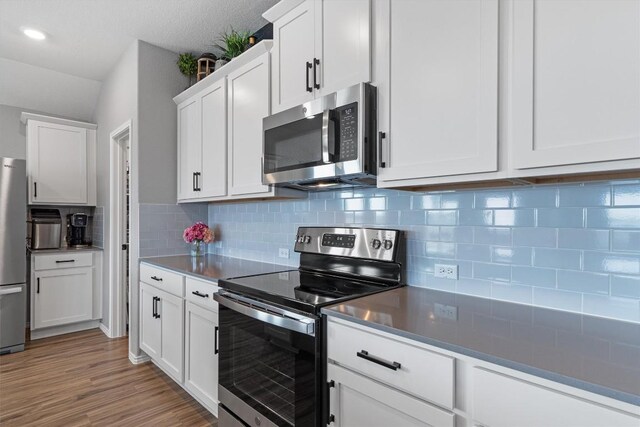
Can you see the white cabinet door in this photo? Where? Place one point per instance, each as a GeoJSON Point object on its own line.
{"type": "Point", "coordinates": [293, 53]}
{"type": "Point", "coordinates": [150, 325]}
{"type": "Point", "coordinates": [62, 296]}
{"type": "Point", "coordinates": [499, 400]}
{"type": "Point", "coordinates": [358, 401]}
{"type": "Point", "coordinates": [201, 355]}
{"type": "Point", "coordinates": [247, 105]}
{"type": "Point", "coordinates": [342, 43]}
{"type": "Point", "coordinates": [575, 90]}
{"type": "Point", "coordinates": [438, 88]}
{"type": "Point", "coordinates": [212, 181]}
{"type": "Point", "coordinates": [189, 146]}
{"type": "Point", "coordinates": [171, 314]}
{"type": "Point", "coordinates": [57, 163]}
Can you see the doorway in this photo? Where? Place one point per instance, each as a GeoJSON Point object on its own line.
{"type": "Point", "coordinates": [119, 289]}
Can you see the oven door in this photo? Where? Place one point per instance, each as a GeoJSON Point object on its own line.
{"type": "Point", "coordinates": [269, 363]}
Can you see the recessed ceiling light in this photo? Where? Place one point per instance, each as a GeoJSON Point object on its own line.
{"type": "Point", "coordinates": [34, 34]}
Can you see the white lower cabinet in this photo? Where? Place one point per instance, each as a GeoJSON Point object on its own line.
{"type": "Point", "coordinates": [179, 330]}
{"type": "Point", "coordinates": [66, 292]}
{"type": "Point", "coordinates": [201, 355]}
{"type": "Point", "coordinates": [356, 400]}
{"type": "Point", "coordinates": [162, 328]}
{"type": "Point", "coordinates": [367, 368]}
{"type": "Point", "coordinates": [63, 296]}
{"type": "Point", "coordinates": [502, 400]}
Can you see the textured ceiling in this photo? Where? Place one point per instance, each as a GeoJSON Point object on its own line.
{"type": "Point", "coordinates": [87, 37]}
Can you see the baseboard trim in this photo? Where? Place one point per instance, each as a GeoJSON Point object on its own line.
{"type": "Point", "coordinates": [105, 330]}
{"type": "Point", "coordinates": [136, 360]}
{"type": "Point", "coordinates": [64, 329]}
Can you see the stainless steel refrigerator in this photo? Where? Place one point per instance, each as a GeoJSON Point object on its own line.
{"type": "Point", "coordinates": [13, 260]}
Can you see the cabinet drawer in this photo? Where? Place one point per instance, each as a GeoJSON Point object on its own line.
{"type": "Point", "coordinates": [201, 293]}
{"type": "Point", "coordinates": [163, 279]}
{"type": "Point", "coordinates": [501, 400]}
{"type": "Point", "coordinates": [422, 373]}
{"type": "Point", "coordinates": [63, 260]}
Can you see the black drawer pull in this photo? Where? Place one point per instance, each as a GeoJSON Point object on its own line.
{"type": "Point", "coordinates": [35, 190]}
{"type": "Point", "coordinates": [156, 278]}
{"type": "Point", "coordinates": [391, 365]}
{"type": "Point", "coordinates": [38, 287]}
{"type": "Point", "coordinates": [196, 293]}
{"type": "Point", "coordinates": [61, 261]}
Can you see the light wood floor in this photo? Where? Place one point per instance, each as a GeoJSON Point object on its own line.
{"type": "Point", "coordinates": [84, 379]}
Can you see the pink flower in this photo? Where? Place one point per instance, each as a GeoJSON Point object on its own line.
{"type": "Point", "coordinates": [198, 232]}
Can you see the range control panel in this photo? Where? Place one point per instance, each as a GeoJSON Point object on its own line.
{"type": "Point", "coordinates": [370, 243]}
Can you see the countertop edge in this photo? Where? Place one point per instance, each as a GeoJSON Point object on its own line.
{"type": "Point", "coordinates": [527, 369]}
{"type": "Point", "coordinates": [64, 250]}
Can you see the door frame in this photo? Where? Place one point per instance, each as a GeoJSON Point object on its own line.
{"type": "Point", "coordinates": [117, 325]}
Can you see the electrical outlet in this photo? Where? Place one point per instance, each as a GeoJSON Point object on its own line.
{"type": "Point", "coordinates": [448, 312]}
{"type": "Point", "coordinates": [447, 271]}
{"type": "Point", "coordinates": [283, 253]}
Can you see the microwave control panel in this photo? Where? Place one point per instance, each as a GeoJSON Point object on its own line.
{"type": "Point", "coordinates": [347, 118]}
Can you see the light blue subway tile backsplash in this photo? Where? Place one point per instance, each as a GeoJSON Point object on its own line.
{"type": "Point", "coordinates": [573, 247]}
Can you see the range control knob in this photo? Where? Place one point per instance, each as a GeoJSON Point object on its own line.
{"type": "Point", "coordinates": [388, 244]}
{"type": "Point", "coordinates": [300, 239]}
{"type": "Point", "coordinates": [376, 243]}
{"type": "Point", "coordinates": [307, 239]}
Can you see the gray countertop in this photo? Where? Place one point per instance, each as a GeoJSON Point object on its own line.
{"type": "Point", "coordinates": [65, 249]}
{"type": "Point", "coordinates": [591, 353]}
{"type": "Point", "coordinates": [213, 267]}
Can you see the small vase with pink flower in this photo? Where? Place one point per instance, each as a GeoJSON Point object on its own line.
{"type": "Point", "coordinates": [199, 235]}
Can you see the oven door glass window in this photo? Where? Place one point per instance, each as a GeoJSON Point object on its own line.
{"type": "Point", "coordinates": [270, 368]}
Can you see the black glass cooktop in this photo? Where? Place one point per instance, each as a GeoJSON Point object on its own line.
{"type": "Point", "coordinates": [302, 290]}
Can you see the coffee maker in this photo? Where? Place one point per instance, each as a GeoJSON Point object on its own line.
{"type": "Point", "coordinates": [77, 230]}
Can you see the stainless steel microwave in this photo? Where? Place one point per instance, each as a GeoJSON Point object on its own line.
{"type": "Point", "coordinates": [326, 143]}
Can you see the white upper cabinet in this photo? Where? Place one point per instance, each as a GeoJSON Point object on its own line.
{"type": "Point", "coordinates": [220, 132]}
{"type": "Point", "coordinates": [248, 105]}
{"type": "Point", "coordinates": [293, 54]}
{"type": "Point", "coordinates": [343, 44]}
{"type": "Point", "coordinates": [189, 147]}
{"type": "Point", "coordinates": [212, 181]}
{"type": "Point", "coordinates": [575, 85]}
{"type": "Point", "coordinates": [437, 88]}
{"type": "Point", "coordinates": [320, 46]}
{"type": "Point", "coordinates": [60, 161]}
{"type": "Point", "coordinates": [202, 144]}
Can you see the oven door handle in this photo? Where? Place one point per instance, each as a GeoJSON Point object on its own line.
{"type": "Point", "coordinates": [253, 309]}
{"type": "Point", "coordinates": [326, 156]}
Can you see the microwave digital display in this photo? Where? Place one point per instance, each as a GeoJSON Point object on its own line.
{"type": "Point", "coordinates": [347, 147]}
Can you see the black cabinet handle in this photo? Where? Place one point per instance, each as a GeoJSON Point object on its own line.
{"type": "Point", "coordinates": [38, 285]}
{"type": "Point", "coordinates": [157, 301]}
{"type": "Point", "coordinates": [153, 307]}
{"type": "Point", "coordinates": [316, 65]}
{"type": "Point", "coordinates": [62, 261]}
{"type": "Point", "coordinates": [156, 278]}
{"type": "Point", "coordinates": [381, 136]}
{"type": "Point", "coordinates": [330, 417]}
{"type": "Point", "coordinates": [391, 365]}
{"type": "Point", "coordinates": [197, 187]}
{"type": "Point", "coordinates": [309, 66]}
{"type": "Point", "coordinates": [215, 342]}
{"type": "Point", "coordinates": [196, 293]}
{"type": "Point", "coordinates": [193, 181]}
{"type": "Point", "coordinates": [35, 190]}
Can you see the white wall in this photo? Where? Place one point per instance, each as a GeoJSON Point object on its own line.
{"type": "Point", "coordinates": [117, 103]}
{"type": "Point", "coordinates": [140, 88]}
{"type": "Point", "coordinates": [160, 80]}
{"type": "Point", "coordinates": [37, 88]}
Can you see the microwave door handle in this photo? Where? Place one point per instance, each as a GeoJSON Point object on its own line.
{"type": "Point", "coordinates": [326, 156]}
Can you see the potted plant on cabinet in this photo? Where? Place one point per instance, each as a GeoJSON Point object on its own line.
{"type": "Point", "coordinates": [233, 43]}
{"type": "Point", "coordinates": [188, 65]}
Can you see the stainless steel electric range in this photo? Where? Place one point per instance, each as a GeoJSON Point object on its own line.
{"type": "Point", "coordinates": [271, 335]}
